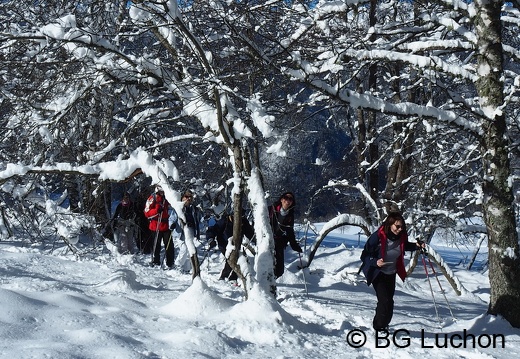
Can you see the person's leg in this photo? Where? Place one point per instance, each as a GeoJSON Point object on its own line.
{"type": "Point", "coordinates": [226, 271]}
{"type": "Point", "coordinates": [157, 252]}
{"type": "Point", "coordinates": [118, 236]}
{"type": "Point", "coordinates": [134, 239]}
{"type": "Point", "coordinates": [183, 258]}
{"type": "Point", "coordinates": [233, 275]}
{"type": "Point", "coordinates": [124, 239]}
{"type": "Point", "coordinates": [384, 285]}
{"type": "Point", "coordinates": [279, 265]}
{"type": "Point", "coordinates": [169, 248]}
{"type": "Point", "coordinates": [148, 237]}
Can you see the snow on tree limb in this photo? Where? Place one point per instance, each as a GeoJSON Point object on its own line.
{"type": "Point", "coordinates": [338, 221]}
{"type": "Point", "coordinates": [447, 272]}
{"type": "Point", "coordinates": [118, 170]}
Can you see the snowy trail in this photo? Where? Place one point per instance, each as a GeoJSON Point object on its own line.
{"type": "Point", "coordinates": [117, 307]}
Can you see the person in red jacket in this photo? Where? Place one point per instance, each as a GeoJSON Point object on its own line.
{"type": "Point", "coordinates": [156, 210]}
{"type": "Point", "coordinates": [383, 259]}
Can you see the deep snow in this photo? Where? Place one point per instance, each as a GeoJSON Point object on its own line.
{"type": "Point", "coordinates": [106, 305]}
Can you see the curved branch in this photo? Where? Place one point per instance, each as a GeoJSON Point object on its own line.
{"type": "Point", "coordinates": [337, 222]}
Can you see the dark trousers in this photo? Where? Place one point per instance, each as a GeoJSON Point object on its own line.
{"type": "Point", "coordinates": [384, 285]}
{"type": "Point", "coordinates": [228, 272]}
{"type": "Point", "coordinates": [145, 239]}
{"type": "Point", "coordinates": [165, 237]}
{"type": "Point", "coordinates": [279, 258]}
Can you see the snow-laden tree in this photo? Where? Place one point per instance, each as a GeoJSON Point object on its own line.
{"type": "Point", "coordinates": [434, 86]}
{"type": "Point", "coordinates": [427, 92]}
{"type": "Point", "coordinates": [154, 77]}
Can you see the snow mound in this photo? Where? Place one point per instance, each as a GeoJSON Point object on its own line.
{"type": "Point", "coordinates": [123, 280]}
{"type": "Point", "coordinates": [196, 302]}
{"type": "Point", "coordinates": [262, 321]}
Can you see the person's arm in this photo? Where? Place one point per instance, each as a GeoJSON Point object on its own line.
{"type": "Point", "coordinates": [414, 246]}
{"type": "Point", "coordinates": [151, 208]}
{"type": "Point", "coordinates": [211, 234]}
{"type": "Point", "coordinates": [295, 245]}
{"type": "Point", "coordinates": [371, 252]}
{"type": "Point", "coordinates": [172, 219]}
{"type": "Point", "coordinates": [292, 237]}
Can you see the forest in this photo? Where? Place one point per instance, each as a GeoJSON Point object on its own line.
{"type": "Point", "coordinates": [358, 107]}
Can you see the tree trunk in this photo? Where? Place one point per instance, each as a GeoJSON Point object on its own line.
{"type": "Point", "coordinates": [476, 250]}
{"type": "Point", "coordinates": [195, 265]}
{"type": "Point", "coordinates": [237, 220]}
{"type": "Point", "coordinates": [499, 216]}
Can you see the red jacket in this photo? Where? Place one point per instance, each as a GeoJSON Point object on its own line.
{"type": "Point", "coordinates": [157, 206]}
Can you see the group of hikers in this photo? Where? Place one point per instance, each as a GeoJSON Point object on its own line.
{"type": "Point", "coordinates": [382, 256]}
{"type": "Point", "coordinates": [146, 225]}
{"type": "Point", "coordinates": [149, 227]}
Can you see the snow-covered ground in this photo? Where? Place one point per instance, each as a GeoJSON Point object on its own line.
{"type": "Point", "coordinates": [112, 306]}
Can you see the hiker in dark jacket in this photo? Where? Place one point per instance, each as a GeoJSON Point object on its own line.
{"type": "Point", "coordinates": [125, 227]}
{"type": "Point", "coordinates": [145, 236]}
{"type": "Point", "coordinates": [191, 222]}
{"type": "Point", "coordinates": [221, 232]}
{"type": "Point", "coordinates": [281, 216]}
{"type": "Point", "coordinates": [383, 258]}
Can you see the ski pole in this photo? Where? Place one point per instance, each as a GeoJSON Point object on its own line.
{"type": "Point", "coordinates": [155, 241]}
{"type": "Point", "coordinates": [303, 273]}
{"type": "Point", "coordinates": [169, 241]}
{"type": "Point", "coordinates": [156, 234]}
{"type": "Point", "coordinates": [440, 286]}
{"type": "Point", "coordinates": [431, 289]}
{"type": "Point", "coordinates": [167, 247]}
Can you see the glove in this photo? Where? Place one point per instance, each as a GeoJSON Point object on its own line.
{"type": "Point", "coordinates": [173, 226]}
{"type": "Point", "coordinates": [212, 243]}
{"type": "Point", "coordinates": [159, 208]}
{"type": "Point", "coordinates": [296, 247]}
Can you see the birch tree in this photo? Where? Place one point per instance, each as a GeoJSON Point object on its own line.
{"type": "Point", "coordinates": [504, 255]}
